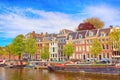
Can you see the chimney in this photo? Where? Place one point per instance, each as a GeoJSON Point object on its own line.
{"type": "Point", "coordinates": [33, 34]}
{"type": "Point", "coordinates": [111, 26]}
{"type": "Point", "coordinates": [41, 33]}
{"type": "Point", "coordinates": [46, 33]}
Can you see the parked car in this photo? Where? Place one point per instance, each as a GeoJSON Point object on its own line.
{"type": "Point", "coordinates": [105, 60]}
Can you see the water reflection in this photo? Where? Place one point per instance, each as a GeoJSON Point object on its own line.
{"type": "Point", "coordinates": [32, 74]}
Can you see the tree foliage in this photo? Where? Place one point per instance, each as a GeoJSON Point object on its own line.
{"type": "Point", "coordinates": [18, 45]}
{"type": "Point", "coordinates": [96, 47]}
{"type": "Point", "coordinates": [95, 21]}
{"type": "Point", "coordinates": [1, 50]}
{"type": "Point", "coordinates": [30, 46]}
{"type": "Point", "coordinates": [68, 49]}
{"type": "Point", "coordinates": [114, 38]}
{"type": "Point", "coordinates": [9, 50]}
{"type": "Point", "coordinates": [44, 53]}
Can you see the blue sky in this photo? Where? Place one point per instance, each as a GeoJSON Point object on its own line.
{"type": "Point", "coordinates": [23, 16]}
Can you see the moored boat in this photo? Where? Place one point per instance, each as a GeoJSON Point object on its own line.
{"type": "Point", "coordinates": [97, 68]}
{"type": "Point", "coordinates": [117, 65]}
{"type": "Point", "coordinates": [15, 64]}
{"type": "Point", "coordinates": [38, 64]}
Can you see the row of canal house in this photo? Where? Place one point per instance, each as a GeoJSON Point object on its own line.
{"type": "Point", "coordinates": [82, 41]}
{"type": "Point", "coordinates": [54, 42]}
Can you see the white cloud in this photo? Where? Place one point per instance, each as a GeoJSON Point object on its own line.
{"type": "Point", "coordinates": [14, 23]}
{"type": "Point", "coordinates": [106, 13]}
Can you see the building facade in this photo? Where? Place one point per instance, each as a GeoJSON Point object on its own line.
{"type": "Point", "coordinates": [82, 41]}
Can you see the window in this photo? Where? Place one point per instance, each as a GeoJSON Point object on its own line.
{"type": "Point", "coordinates": [76, 48]}
{"type": "Point", "coordinates": [87, 48]}
{"type": "Point", "coordinates": [61, 32]}
{"type": "Point", "coordinates": [103, 34]}
{"type": "Point", "coordinates": [107, 55]}
{"type": "Point", "coordinates": [64, 40]}
{"type": "Point", "coordinates": [77, 42]}
{"type": "Point", "coordinates": [80, 48]}
{"type": "Point", "coordinates": [103, 40]}
{"type": "Point", "coordinates": [83, 48]}
{"type": "Point", "coordinates": [53, 55]}
{"type": "Point", "coordinates": [90, 33]}
{"type": "Point", "coordinates": [53, 49]}
{"type": "Point", "coordinates": [100, 57]}
{"type": "Point", "coordinates": [90, 41]}
{"type": "Point", "coordinates": [103, 55]}
{"type": "Point", "coordinates": [70, 37]}
{"type": "Point", "coordinates": [80, 36]}
{"type": "Point", "coordinates": [88, 55]}
{"type": "Point", "coordinates": [87, 41]}
{"type": "Point", "coordinates": [103, 46]}
{"type": "Point", "coordinates": [107, 47]}
{"type": "Point", "coordinates": [84, 57]}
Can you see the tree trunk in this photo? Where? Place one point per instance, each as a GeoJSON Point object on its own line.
{"type": "Point", "coordinates": [95, 58]}
{"type": "Point", "coordinates": [30, 56]}
{"type": "Point", "coordinates": [9, 57]}
{"type": "Point", "coordinates": [68, 57]}
{"type": "Point", "coordinates": [20, 59]}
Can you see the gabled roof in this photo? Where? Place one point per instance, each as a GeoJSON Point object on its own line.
{"type": "Point", "coordinates": [73, 34]}
{"type": "Point", "coordinates": [105, 30]}
{"type": "Point", "coordinates": [82, 33]}
{"type": "Point", "coordinates": [94, 31]}
{"type": "Point", "coordinates": [67, 31]}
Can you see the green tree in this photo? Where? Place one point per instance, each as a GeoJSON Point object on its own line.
{"type": "Point", "coordinates": [9, 50]}
{"type": "Point", "coordinates": [68, 49]}
{"type": "Point", "coordinates": [18, 45]}
{"type": "Point", "coordinates": [95, 21]}
{"type": "Point", "coordinates": [114, 38]}
{"type": "Point", "coordinates": [1, 50]}
{"type": "Point", "coordinates": [30, 46]}
{"type": "Point", "coordinates": [96, 47]}
{"type": "Point", "coordinates": [44, 53]}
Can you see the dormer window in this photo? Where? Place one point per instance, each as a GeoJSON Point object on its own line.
{"type": "Point", "coordinates": [90, 33]}
{"type": "Point", "coordinates": [61, 32]}
{"type": "Point", "coordinates": [103, 34]}
{"type": "Point", "coordinates": [70, 37]}
{"type": "Point", "coordinates": [80, 36]}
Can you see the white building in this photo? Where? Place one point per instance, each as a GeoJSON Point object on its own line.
{"type": "Point", "coordinates": [53, 48]}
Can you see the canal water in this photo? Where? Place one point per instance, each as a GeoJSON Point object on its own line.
{"type": "Point", "coordinates": [35, 74]}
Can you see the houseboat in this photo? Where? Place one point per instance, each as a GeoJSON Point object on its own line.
{"type": "Point", "coordinates": [94, 68]}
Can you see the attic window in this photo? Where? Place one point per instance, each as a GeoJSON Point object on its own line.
{"type": "Point", "coordinates": [90, 33]}
{"type": "Point", "coordinates": [80, 36]}
{"type": "Point", "coordinates": [103, 34]}
{"type": "Point", "coordinates": [70, 37]}
{"type": "Point", "coordinates": [61, 32]}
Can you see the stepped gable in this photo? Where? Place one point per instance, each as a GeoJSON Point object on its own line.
{"type": "Point", "coordinates": [81, 33]}
{"type": "Point", "coordinates": [105, 31]}
{"type": "Point", "coordinates": [85, 26]}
